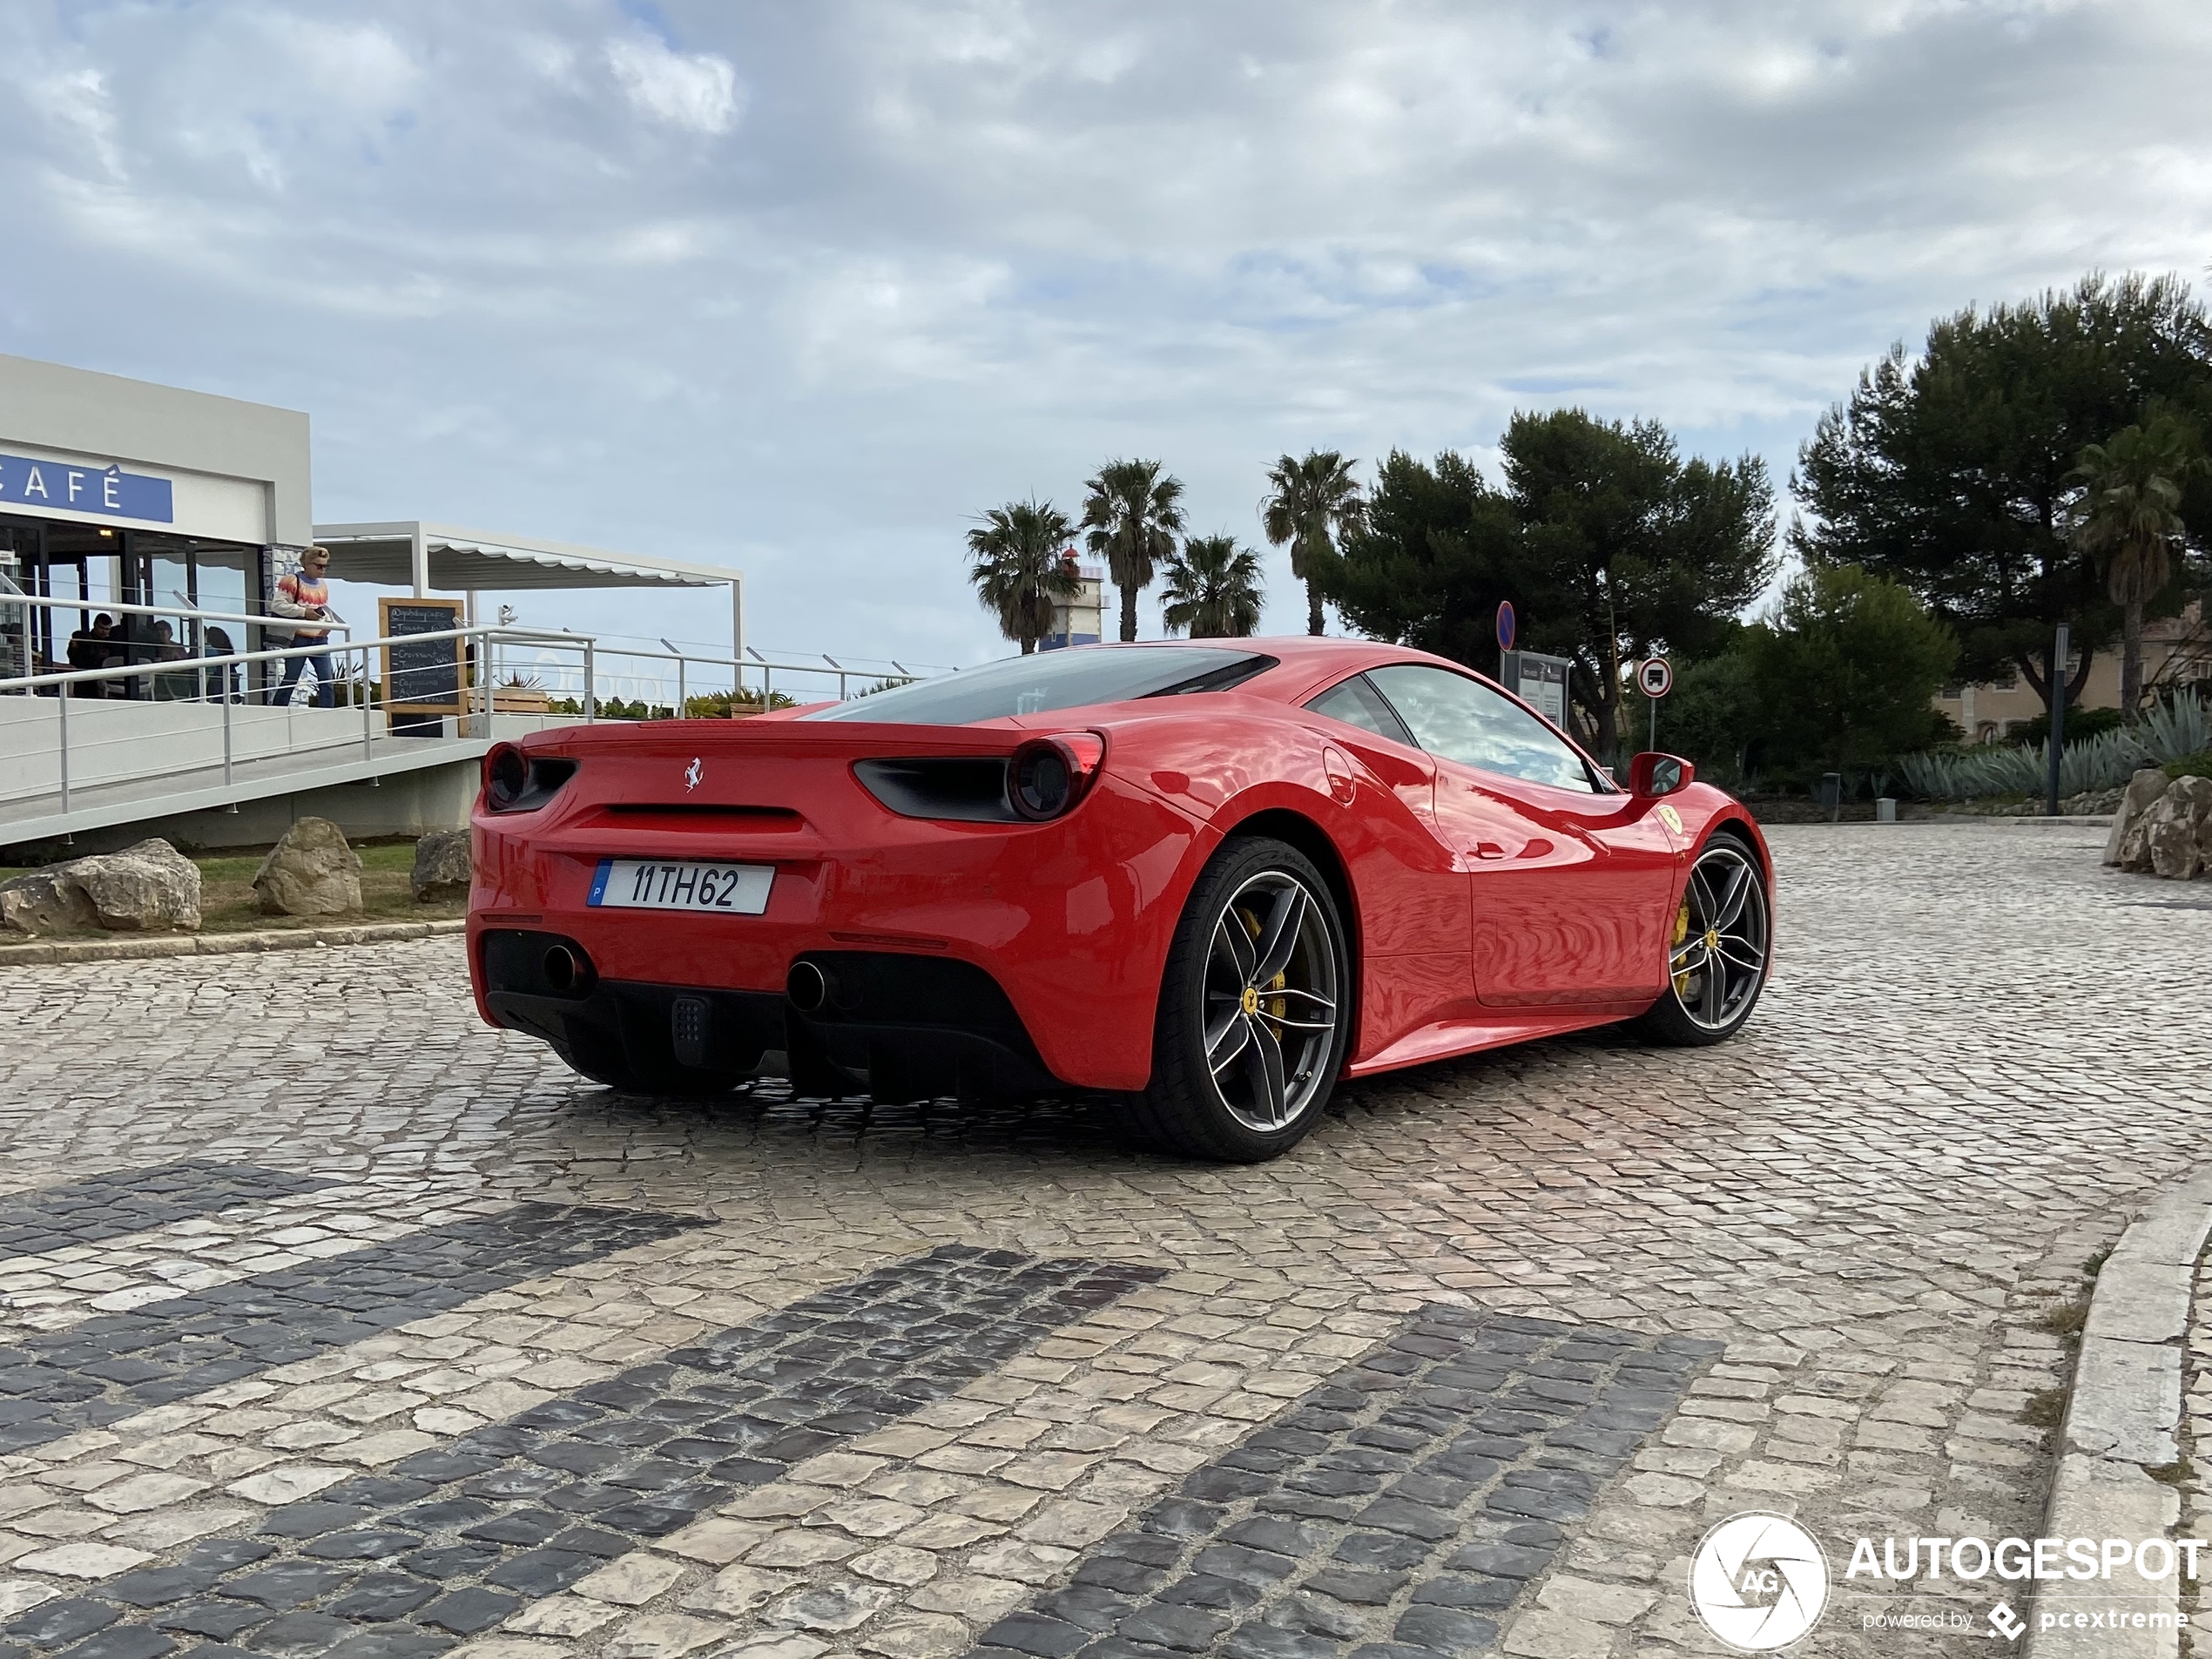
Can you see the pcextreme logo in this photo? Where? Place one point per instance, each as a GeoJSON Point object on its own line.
{"type": "Point", "coordinates": [1759, 1581]}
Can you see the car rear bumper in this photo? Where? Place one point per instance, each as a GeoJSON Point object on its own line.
{"type": "Point", "coordinates": [904, 1027]}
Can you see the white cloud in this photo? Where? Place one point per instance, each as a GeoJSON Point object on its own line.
{"type": "Point", "coordinates": [971, 247]}
{"type": "Point", "coordinates": [695, 90]}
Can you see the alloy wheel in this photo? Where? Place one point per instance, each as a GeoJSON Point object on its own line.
{"type": "Point", "coordinates": [1271, 1001]}
{"type": "Point", "coordinates": [1719, 952]}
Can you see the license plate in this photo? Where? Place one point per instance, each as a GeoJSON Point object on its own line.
{"type": "Point", "coordinates": [682, 884]}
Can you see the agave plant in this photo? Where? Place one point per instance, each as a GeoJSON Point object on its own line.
{"type": "Point", "coordinates": [2172, 729]}
{"type": "Point", "coordinates": [2177, 728]}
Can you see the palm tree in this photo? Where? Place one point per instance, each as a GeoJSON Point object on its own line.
{"type": "Point", "coordinates": [1134, 515]}
{"type": "Point", "coordinates": [1212, 589]}
{"type": "Point", "coordinates": [1311, 503]}
{"type": "Point", "coordinates": [1022, 567]}
{"type": "Point", "coordinates": [2127, 521]}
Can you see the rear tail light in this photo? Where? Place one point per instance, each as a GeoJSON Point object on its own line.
{"type": "Point", "coordinates": [515, 782]}
{"type": "Point", "coordinates": [1047, 776]}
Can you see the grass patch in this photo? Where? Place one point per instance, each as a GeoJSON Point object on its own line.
{"type": "Point", "coordinates": [2045, 1409]}
{"type": "Point", "coordinates": [2096, 1264]}
{"type": "Point", "coordinates": [2067, 1318]}
{"type": "Point", "coordinates": [2177, 1473]}
{"type": "Point", "coordinates": [227, 904]}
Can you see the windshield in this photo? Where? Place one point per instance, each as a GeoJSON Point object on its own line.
{"type": "Point", "coordinates": [1049, 680]}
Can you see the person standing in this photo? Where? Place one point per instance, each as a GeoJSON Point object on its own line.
{"type": "Point", "coordinates": [304, 595]}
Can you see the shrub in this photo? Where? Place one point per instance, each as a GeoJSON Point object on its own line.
{"type": "Point", "coordinates": [2080, 723]}
{"type": "Point", "coordinates": [1844, 673]}
{"type": "Point", "coordinates": [2178, 730]}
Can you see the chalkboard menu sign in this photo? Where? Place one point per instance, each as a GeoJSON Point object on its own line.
{"type": "Point", "coordinates": [422, 677]}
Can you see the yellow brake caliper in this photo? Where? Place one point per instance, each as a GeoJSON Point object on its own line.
{"type": "Point", "coordinates": [1682, 932]}
{"type": "Point", "coordinates": [1279, 1008]}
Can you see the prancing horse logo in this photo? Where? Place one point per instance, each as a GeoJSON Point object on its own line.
{"type": "Point", "coordinates": [692, 774]}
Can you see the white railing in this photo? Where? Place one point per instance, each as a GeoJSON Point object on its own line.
{"type": "Point", "coordinates": [578, 663]}
{"type": "Point", "coordinates": [673, 675]}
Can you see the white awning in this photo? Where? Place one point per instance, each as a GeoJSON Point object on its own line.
{"type": "Point", "coordinates": [413, 553]}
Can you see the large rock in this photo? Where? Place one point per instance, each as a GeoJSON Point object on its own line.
{"type": "Point", "coordinates": [149, 887]}
{"type": "Point", "coordinates": [2173, 831]}
{"type": "Point", "coordinates": [310, 873]}
{"type": "Point", "coordinates": [441, 868]}
{"type": "Point", "coordinates": [2144, 788]}
{"type": "Point", "coordinates": [44, 902]}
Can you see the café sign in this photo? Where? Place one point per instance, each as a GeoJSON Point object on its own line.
{"type": "Point", "coordinates": [82, 488]}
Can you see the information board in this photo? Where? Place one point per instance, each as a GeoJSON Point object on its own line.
{"type": "Point", "coordinates": [427, 676]}
{"type": "Point", "coordinates": [1539, 681]}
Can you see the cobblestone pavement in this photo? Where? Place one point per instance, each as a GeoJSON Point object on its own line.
{"type": "Point", "coordinates": [333, 1322]}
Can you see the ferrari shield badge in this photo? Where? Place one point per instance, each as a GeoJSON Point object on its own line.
{"type": "Point", "coordinates": [1671, 818]}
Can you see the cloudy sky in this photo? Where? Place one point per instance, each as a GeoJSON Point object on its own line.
{"type": "Point", "coordinates": [804, 287]}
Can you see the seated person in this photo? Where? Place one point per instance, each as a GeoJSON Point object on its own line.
{"type": "Point", "coordinates": [89, 649]}
{"type": "Point", "coordinates": [222, 682]}
{"type": "Point", "coordinates": [172, 685]}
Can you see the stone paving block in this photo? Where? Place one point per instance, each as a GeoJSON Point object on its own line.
{"type": "Point", "coordinates": [101, 1207]}
{"type": "Point", "coordinates": [1370, 1508]}
{"type": "Point", "coordinates": [165, 1351]}
{"type": "Point", "coordinates": [678, 1436]}
{"type": "Point", "coordinates": [2127, 1398]}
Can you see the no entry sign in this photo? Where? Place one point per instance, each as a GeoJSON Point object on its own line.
{"type": "Point", "coordinates": [1654, 677]}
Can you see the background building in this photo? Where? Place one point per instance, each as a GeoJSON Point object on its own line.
{"type": "Point", "coordinates": [2177, 650]}
{"type": "Point", "coordinates": [1081, 621]}
{"type": "Point", "coordinates": [118, 490]}
{"type": "Point", "coordinates": [175, 513]}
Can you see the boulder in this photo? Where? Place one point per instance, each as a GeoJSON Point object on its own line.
{"type": "Point", "coordinates": [441, 868]}
{"type": "Point", "coordinates": [44, 902]}
{"type": "Point", "coordinates": [310, 873]}
{"type": "Point", "coordinates": [2168, 839]}
{"type": "Point", "coordinates": [149, 887]}
{"type": "Point", "coordinates": [2146, 786]}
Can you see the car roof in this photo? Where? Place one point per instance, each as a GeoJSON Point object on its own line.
{"type": "Point", "coordinates": [1306, 664]}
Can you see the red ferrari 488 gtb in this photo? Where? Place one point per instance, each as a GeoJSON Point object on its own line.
{"type": "Point", "coordinates": [1212, 876]}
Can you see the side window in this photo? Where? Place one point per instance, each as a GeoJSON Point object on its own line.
{"type": "Point", "coordinates": [1464, 720]}
{"type": "Point", "coordinates": [1357, 703]}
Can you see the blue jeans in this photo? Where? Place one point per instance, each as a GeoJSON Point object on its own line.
{"type": "Point", "coordinates": [325, 677]}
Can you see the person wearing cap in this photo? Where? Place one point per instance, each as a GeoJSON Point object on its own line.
{"type": "Point", "coordinates": [304, 595]}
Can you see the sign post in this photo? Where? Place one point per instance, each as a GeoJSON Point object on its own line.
{"type": "Point", "coordinates": [2058, 654]}
{"type": "Point", "coordinates": [1654, 678]}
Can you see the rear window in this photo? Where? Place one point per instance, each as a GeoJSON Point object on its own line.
{"type": "Point", "coordinates": [1050, 680]}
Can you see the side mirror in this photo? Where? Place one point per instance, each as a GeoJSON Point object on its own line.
{"type": "Point", "coordinates": [1652, 775]}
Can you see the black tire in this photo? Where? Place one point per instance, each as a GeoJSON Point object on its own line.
{"type": "Point", "coordinates": [1718, 951]}
{"type": "Point", "coordinates": [1251, 1105]}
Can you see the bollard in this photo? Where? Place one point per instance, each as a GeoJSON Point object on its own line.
{"type": "Point", "coordinates": [1885, 809]}
{"type": "Point", "coordinates": [1832, 795]}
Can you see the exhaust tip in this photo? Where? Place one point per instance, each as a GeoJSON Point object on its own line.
{"type": "Point", "coordinates": [564, 970]}
{"type": "Point", "coordinates": [807, 986]}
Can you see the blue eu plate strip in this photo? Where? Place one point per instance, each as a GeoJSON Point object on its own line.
{"type": "Point", "coordinates": [599, 881]}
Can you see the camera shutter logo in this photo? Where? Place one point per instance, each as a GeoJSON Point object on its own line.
{"type": "Point", "coordinates": [1759, 1581]}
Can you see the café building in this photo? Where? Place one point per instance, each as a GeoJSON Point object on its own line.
{"type": "Point", "coordinates": [121, 490]}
